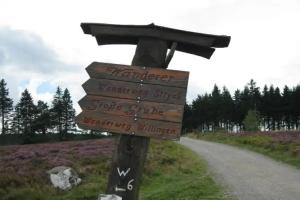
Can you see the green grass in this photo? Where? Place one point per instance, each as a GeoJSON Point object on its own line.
{"type": "Point", "coordinates": [172, 172]}
{"type": "Point", "coordinates": [279, 146]}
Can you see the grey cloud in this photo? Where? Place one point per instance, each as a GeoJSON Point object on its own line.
{"type": "Point", "coordinates": [26, 51]}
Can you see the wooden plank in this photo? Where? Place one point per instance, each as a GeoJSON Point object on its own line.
{"type": "Point", "coordinates": [128, 125]}
{"type": "Point", "coordinates": [189, 42]}
{"type": "Point", "coordinates": [128, 90]}
{"type": "Point", "coordinates": [150, 75]}
{"type": "Point", "coordinates": [152, 31]}
{"type": "Point", "coordinates": [132, 108]}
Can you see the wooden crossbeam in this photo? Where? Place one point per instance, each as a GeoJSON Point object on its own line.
{"type": "Point", "coordinates": [189, 42]}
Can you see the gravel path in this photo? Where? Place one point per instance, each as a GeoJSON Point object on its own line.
{"type": "Point", "coordinates": [248, 175]}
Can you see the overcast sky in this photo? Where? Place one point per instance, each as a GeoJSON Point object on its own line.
{"type": "Point", "coordinates": [42, 45]}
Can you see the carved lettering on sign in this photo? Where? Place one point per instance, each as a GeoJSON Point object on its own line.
{"type": "Point", "coordinates": [136, 74]}
{"type": "Point", "coordinates": [128, 125]}
{"type": "Point", "coordinates": [133, 74]}
{"type": "Point", "coordinates": [127, 90]}
{"type": "Point", "coordinates": [152, 129]}
{"type": "Point", "coordinates": [133, 100]}
{"type": "Point", "coordinates": [124, 90]}
{"type": "Point", "coordinates": [104, 124]}
{"type": "Point", "coordinates": [126, 107]}
{"type": "Point", "coordinates": [129, 110]}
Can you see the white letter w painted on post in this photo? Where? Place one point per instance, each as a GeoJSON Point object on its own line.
{"type": "Point", "coordinates": [123, 173]}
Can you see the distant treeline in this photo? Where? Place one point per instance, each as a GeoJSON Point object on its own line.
{"type": "Point", "coordinates": [274, 109]}
{"type": "Point", "coordinates": [28, 119]}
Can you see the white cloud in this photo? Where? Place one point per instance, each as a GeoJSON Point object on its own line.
{"type": "Point", "coordinates": [265, 39]}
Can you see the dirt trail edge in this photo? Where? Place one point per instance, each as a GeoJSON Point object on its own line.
{"type": "Point", "coordinates": [248, 175]}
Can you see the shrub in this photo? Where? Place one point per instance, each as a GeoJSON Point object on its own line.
{"type": "Point", "coordinates": [251, 121]}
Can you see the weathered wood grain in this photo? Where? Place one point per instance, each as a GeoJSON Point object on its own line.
{"type": "Point", "coordinates": [132, 108]}
{"type": "Point", "coordinates": [136, 91]}
{"type": "Point", "coordinates": [150, 75]}
{"type": "Point", "coordinates": [128, 125]}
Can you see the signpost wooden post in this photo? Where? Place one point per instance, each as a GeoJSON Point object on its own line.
{"type": "Point", "coordinates": [146, 100]}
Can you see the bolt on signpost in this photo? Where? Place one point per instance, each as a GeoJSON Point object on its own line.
{"type": "Point", "coordinates": [142, 100]}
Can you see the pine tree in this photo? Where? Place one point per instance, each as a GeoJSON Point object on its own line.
{"type": "Point", "coordinates": [16, 120]}
{"type": "Point", "coordinates": [227, 109]}
{"type": "Point", "coordinates": [237, 114]}
{"type": "Point", "coordinates": [25, 113]}
{"type": "Point", "coordinates": [57, 111]}
{"type": "Point", "coordinates": [265, 108]}
{"type": "Point", "coordinates": [5, 105]}
{"type": "Point", "coordinates": [287, 107]}
{"type": "Point", "coordinates": [271, 107]}
{"type": "Point", "coordinates": [196, 112]}
{"type": "Point", "coordinates": [216, 106]}
{"type": "Point", "coordinates": [277, 108]}
{"type": "Point", "coordinates": [251, 121]}
{"type": "Point", "coordinates": [254, 95]}
{"type": "Point", "coordinates": [42, 120]}
{"type": "Point", "coordinates": [245, 102]}
{"type": "Point", "coordinates": [187, 122]}
{"type": "Point", "coordinates": [296, 107]}
{"type": "Point", "coordinates": [202, 115]}
{"type": "Point", "coordinates": [68, 115]}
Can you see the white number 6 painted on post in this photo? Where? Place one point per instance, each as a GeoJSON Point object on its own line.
{"type": "Point", "coordinates": [129, 185]}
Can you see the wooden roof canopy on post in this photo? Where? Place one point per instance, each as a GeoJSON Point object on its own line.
{"type": "Point", "coordinates": [189, 42]}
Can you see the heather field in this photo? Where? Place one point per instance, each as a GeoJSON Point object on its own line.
{"type": "Point", "coordinates": [170, 171]}
{"type": "Point", "coordinates": [282, 146]}
{"type": "Point", "coordinates": [23, 167]}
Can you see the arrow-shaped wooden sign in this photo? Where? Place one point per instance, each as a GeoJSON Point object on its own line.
{"type": "Point", "coordinates": [128, 125]}
{"type": "Point", "coordinates": [133, 100]}
{"type": "Point", "coordinates": [135, 91]}
{"type": "Point", "coordinates": [132, 108]}
{"type": "Point", "coordinates": [137, 74]}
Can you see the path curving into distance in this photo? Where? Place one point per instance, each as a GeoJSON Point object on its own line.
{"type": "Point", "coordinates": [248, 175]}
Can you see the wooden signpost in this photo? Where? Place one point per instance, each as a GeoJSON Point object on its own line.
{"type": "Point", "coordinates": [134, 100]}
{"type": "Point", "coordinates": [139, 101]}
